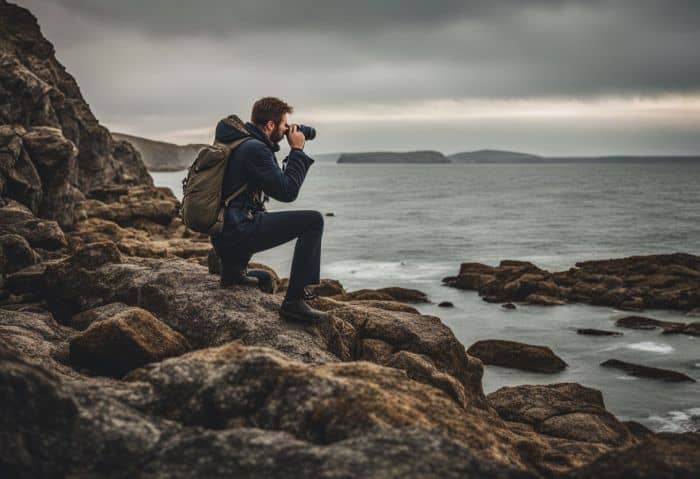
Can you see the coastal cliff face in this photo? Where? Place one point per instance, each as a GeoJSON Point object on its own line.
{"type": "Point", "coordinates": [53, 148]}
{"type": "Point", "coordinates": [121, 355]}
{"type": "Point", "coordinates": [162, 156]}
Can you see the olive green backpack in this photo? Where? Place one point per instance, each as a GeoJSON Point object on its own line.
{"type": "Point", "coordinates": [203, 207]}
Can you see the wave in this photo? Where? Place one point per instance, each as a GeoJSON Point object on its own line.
{"type": "Point", "coordinates": [651, 347]}
{"type": "Point", "coordinates": [677, 421]}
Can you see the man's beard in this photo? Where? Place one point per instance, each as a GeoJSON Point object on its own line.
{"type": "Point", "coordinates": [276, 135]}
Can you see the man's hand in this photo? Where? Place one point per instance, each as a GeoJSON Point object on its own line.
{"type": "Point", "coordinates": [295, 138]}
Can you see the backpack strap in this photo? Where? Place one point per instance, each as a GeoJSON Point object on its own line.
{"type": "Point", "coordinates": [230, 147]}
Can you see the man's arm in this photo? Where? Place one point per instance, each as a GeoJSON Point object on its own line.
{"type": "Point", "coordinates": [281, 185]}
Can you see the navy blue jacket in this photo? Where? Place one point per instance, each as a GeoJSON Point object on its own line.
{"type": "Point", "coordinates": [254, 163]}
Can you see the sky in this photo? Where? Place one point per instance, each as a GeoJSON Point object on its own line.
{"type": "Point", "coordinates": [548, 77]}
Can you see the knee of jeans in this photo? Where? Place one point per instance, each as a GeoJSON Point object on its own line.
{"type": "Point", "coordinates": [318, 220]}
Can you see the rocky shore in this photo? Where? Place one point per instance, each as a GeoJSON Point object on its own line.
{"type": "Point", "coordinates": [120, 355]}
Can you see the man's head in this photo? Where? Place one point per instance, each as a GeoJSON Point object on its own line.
{"type": "Point", "coordinates": [271, 115]}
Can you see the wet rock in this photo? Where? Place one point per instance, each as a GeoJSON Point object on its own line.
{"type": "Point", "coordinates": [694, 313]}
{"type": "Point", "coordinates": [446, 304]}
{"type": "Point", "coordinates": [646, 371]}
{"type": "Point", "coordinates": [644, 323]}
{"type": "Point", "coordinates": [663, 455]}
{"type": "Point", "coordinates": [597, 332]}
{"type": "Point", "coordinates": [330, 213]}
{"type": "Point", "coordinates": [566, 410]}
{"type": "Point", "coordinates": [511, 354]}
{"type": "Point", "coordinates": [127, 340]}
{"type": "Point", "coordinates": [510, 306]}
{"type": "Point", "coordinates": [692, 329]}
{"type": "Point", "coordinates": [543, 300]}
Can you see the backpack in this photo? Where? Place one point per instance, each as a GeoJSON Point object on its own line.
{"type": "Point", "coordinates": [202, 207]}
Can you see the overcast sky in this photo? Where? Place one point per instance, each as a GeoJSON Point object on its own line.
{"type": "Point", "coordinates": [548, 77]}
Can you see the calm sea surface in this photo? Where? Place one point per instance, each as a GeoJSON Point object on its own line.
{"type": "Point", "coordinates": [411, 225]}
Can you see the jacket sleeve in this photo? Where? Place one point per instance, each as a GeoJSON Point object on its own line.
{"type": "Point", "coordinates": [282, 185]}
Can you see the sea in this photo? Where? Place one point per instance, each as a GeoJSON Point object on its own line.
{"type": "Point", "coordinates": [410, 225]}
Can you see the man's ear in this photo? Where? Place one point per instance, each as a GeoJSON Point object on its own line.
{"type": "Point", "coordinates": [270, 125]}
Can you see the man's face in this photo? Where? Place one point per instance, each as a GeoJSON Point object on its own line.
{"type": "Point", "coordinates": [280, 129]}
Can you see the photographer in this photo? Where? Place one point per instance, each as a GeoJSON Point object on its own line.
{"type": "Point", "coordinates": [248, 228]}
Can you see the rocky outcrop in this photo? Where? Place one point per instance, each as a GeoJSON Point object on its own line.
{"type": "Point", "coordinates": [657, 281]}
{"type": "Point", "coordinates": [162, 156]}
{"type": "Point", "coordinates": [647, 371]}
{"type": "Point", "coordinates": [511, 354]}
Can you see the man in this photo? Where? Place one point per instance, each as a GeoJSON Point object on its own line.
{"type": "Point", "coordinates": [248, 228]}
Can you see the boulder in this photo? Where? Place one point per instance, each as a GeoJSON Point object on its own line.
{"type": "Point", "coordinates": [642, 322]}
{"type": "Point", "coordinates": [646, 371]}
{"type": "Point", "coordinates": [511, 354]}
{"type": "Point", "coordinates": [129, 339]}
{"type": "Point", "coordinates": [404, 295]}
{"type": "Point", "coordinates": [566, 410]}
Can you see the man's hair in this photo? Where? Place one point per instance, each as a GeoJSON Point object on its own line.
{"type": "Point", "coordinates": [269, 108]}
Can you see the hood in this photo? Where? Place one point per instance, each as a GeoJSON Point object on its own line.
{"type": "Point", "coordinates": [230, 129]}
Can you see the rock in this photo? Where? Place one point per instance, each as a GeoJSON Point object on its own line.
{"type": "Point", "coordinates": [637, 429]}
{"type": "Point", "coordinates": [543, 300]}
{"type": "Point", "coordinates": [646, 371]}
{"type": "Point", "coordinates": [695, 312]}
{"type": "Point", "coordinates": [27, 280]}
{"type": "Point", "coordinates": [511, 354]}
{"type": "Point", "coordinates": [510, 306]}
{"type": "Point", "coordinates": [692, 329]}
{"type": "Point", "coordinates": [55, 159]}
{"type": "Point", "coordinates": [642, 322]}
{"type": "Point", "coordinates": [72, 284]}
{"type": "Point", "coordinates": [36, 91]}
{"type": "Point", "coordinates": [597, 332]}
{"type": "Point", "coordinates": [138, 204]}
{"type": "Point", "coordinates": [669, 281]}
{"type": "Point", "coordinates": [404, 295]}
{"type": "Point", "coordinates": [127, 340]}
{"type": "Point", "coordinates": [663, 455]}
{"type": "Point", "coordinates": [446, 304]}
{"type": "Point", "coordinates": [566, 410]}
{"type": "Point", "coordinates": [82, 321]}
{"type": "Point", "coordinates": [16, 252]}
{"type": "Point", "coordinates": [18, 220]}
{"type": "Point", "coordinates": [330, 213]}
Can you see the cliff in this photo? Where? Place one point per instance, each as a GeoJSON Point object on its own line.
{"type": "Point", "coordinates": [160, 155]}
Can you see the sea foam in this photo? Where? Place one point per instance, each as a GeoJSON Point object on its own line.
{"type": "Point", "coordinates": [651, 347]}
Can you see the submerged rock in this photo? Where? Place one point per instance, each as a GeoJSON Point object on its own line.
{"type": "Point", "coordinates": [511, 354]}
{"type": "Point", "coordinates": [597, 332]}
{"type": "Point", "coordinates": [646, 371]}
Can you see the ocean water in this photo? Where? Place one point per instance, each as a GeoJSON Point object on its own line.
{"type": "Point", "coordinates": [411, 225]}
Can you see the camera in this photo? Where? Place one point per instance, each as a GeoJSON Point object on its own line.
{"type": "Point", "coordinates": [308, 131]}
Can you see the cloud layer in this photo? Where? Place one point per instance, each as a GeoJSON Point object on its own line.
{"type": "Point", "coordinates": [158, 67]}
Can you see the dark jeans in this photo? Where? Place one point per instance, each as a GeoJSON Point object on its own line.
{"type": "Point", "coordinates": [243, 236]}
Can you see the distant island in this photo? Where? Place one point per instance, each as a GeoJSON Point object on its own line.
{"type": "Point", "coordinates": [162, 156]}
{"type": "Point", "coordinates": [489, 156]}
{"type": "Point", "coordinates": [493, 156]}
{"type": "Point", "coordinates": [427, 156]}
